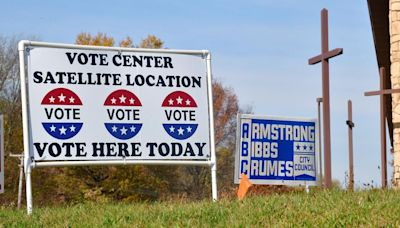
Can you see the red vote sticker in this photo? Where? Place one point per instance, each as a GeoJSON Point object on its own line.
{"type": "Point", "coordinates": [123, 114]}
{"type": "Point", "coordinates": [180, 115]}
{"type": "Point", "coordinates": [62, 108]}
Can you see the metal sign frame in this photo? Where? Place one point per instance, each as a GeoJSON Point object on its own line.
{"type": "Point", "coordinates": [29, 163]}
{"type": "Point", "coordinates": [2, 168]}
{"type": "Point", "coordinates": [277, 181]}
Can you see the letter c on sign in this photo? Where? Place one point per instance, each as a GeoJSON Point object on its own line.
{"type": "Point", "coordinates": [244, 167]}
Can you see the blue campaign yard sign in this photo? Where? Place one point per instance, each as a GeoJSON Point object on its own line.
{"type": "Point", "coordinates": [277, 150]}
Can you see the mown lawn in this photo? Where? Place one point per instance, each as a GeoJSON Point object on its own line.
{"type": "Point", "coordinates": [374, 208]}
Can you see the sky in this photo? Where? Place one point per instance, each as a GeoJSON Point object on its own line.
{"type": "Point", "coordinates": [260, 48]}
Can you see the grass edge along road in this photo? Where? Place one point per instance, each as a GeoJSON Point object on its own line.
{"type": "Point", "coordinates": [328, 208]}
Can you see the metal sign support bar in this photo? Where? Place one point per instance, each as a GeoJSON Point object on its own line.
{"type": "Point", "coordinates": [117, 162]}
{"type": "Point", "coordinates": [27, 160]}
{"type": "Point", "coordinates": [212, 138]}
{"type": "Point", "coordinates": [21, 176]}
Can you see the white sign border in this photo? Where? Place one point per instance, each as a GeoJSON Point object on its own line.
{"type": "Point", "coordinates": [29, 163]}
{"type": "Point", "coordinates": [241, 116]}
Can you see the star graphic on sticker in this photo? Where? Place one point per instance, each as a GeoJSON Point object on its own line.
{"type": "Point", "coordinates": [180, 131]}
{"type": "Point", "coordinates": [172, 129]}
{"type": "Point", "coordinates": [123, 131]}
{"type": "Point", "coordinates": [63, 130]}
{"type": "Point", "coordinates": [189, 129]}
{"type": "Point", "coordinates": [179, 100]}
{"type": "Point", "coordinates": [52, 128]}
{"type": "Point", "coordinates": [114, 128]}
{"type": "Point", "coordinates": [311, 147]}
{"type": "Point", "coordinates": [71, 100]}
{"type": "Point", "coordinates": [305, 147]}
{"type": "Point", "coordinates": [61, 97]}
{"type": "Point", "coordinates": [122, 99]}
{"type": "Point", "coordinates": [171, 102]}
{"type": "Point", "coordinates": [187, 102]}
{"type": "Point", "coordinates": [113, 100]}
{"type": "Point", "coordinates": [72, 128]}
{"type": "Point", "coordinates": [298, 147]}
{"type": "Point", "coordinates": [131, 101]}
{"type": "Point", "coordinates": [52, 99]}
{"type": "Point", "coordinates": [133, 128]}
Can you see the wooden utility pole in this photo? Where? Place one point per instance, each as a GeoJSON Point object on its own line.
{"type": "Point", "coordinates": [350, 124]}
{"type": "Point", "coordinates": [382, 92]}
{"type": "Point", "coordinates": [324, 59]}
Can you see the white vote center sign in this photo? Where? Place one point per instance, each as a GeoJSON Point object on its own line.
{"type": "Point", "coordinates": [87, 105]}
{"type": "Point", "coordinates": [108, 104]}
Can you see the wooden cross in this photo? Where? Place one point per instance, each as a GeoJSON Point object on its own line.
{"type": "Point", "coordinates": [350, 123]}
{"type": "Point", "coordinates": [382, 92]}
{"type": "Point", "coordinates": [324, 59]}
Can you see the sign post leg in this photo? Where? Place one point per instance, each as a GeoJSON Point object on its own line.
{"type": "Point", "coordinates": [27, 162]}
{"type": "Point", "coordinates": [307, 188]}
{"type": "Point", "coordinates": [21, 177]}
{"type": "Point", "coordinates": [214, 181]}
{"type": "Point", "coordinates": [28, 190]}
{"type": "Point", "coordinates": [212, 140]}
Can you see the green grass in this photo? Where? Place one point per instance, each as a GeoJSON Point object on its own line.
{"type": "Point", "coordinates": [321, 208]}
